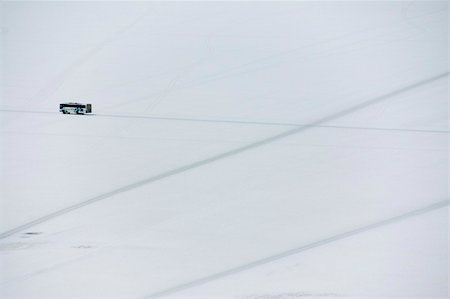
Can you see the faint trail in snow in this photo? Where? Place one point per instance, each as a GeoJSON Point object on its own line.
{"type": "Point", "coordinates": [177, 79]}
{"type": "Point", "coordinates": [51, 267]}
{"type": "Point", "coordinates": [271, 123]}
{"type": "Point", "coordinates": [27, 111]}
{"type": "Point", "coordinates": [267, 62]}
{"type": "Point", "coordinates": [296, 296]}
{"type": "Point", "coordinates": [162, 96]}
{"type": "Point", "coordinates": [64, 75]}
{"type": "Point", "coordinates": [221, 156]}
{"type": "Point", "coordinates": [269, 259]}
{"type": "Point", "coordinates": [227, 121]}
{"type": "Point", "coordinates": [410, 18]}
{"type": "Point", "coordinates": [260, 262]}
{"type": "Point", "coordinates": [56, 83]}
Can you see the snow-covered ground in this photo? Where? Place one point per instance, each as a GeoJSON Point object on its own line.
{"type": "Point", "coordinates": [240, 150]}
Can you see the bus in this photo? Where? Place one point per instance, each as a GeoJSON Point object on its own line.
{"type": "Point", "coordinates": [75, 108]}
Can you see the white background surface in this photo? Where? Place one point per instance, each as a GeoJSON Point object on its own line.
{"type": "Point", "coordinates": [206, 79]}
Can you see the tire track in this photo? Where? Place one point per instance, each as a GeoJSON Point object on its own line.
{"type": "Point", "coordinates": [243, 122]}
{"type": "Point", "coordinates": [275, 257]}
{"type": "Point", "coordinates": [221, 156]}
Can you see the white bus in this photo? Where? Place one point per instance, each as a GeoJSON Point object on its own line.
{"type": "Point", "coordinates": [75, 108]}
